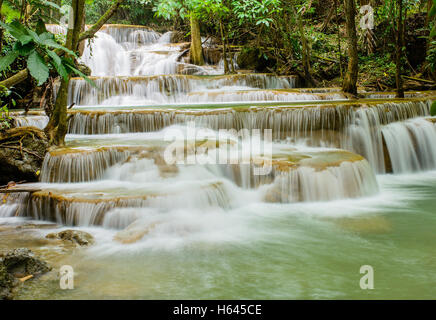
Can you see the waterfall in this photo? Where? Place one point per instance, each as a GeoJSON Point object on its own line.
{"type": "Point", "coordinates": [165, 88]}
{"type": "Point", "coordinates": [113, 171]}
{"type": "Point", "coordinates": [79, 165]}
{"type": "Point", "coordinates": [40, 121]}
{"type": "Point", "coordinates": [354, 128]}
{"type": "Point", "coordinates": [411, 145]}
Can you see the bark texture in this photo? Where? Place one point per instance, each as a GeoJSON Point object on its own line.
{"type": "Point", "coordinates": [196, 55]}
{"type": "Point", "coordinates": [57, 126]}
{"type": "Point", "coordinates": [399, 50]}
{"type": "Point", "coordinates": [350, 82]}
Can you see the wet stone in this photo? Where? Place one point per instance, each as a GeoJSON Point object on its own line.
{"type": "Point", "coordinates": [23, 262]}
{"type": "Point", "coordinates": [76, 237]}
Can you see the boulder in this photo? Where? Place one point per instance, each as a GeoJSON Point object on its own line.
{"type": "Point", "coordinates": [23, 262]}
{"type": "Point", "coordinates": [190, 69]}
{"type": "Point", "coordinates": [76, 237]}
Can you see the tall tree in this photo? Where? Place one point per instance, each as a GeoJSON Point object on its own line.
{"type": "Point", "coordinates": [350, 82]}
{"type": "Point", "coordinates": [56, 128]}
{"type": "Point", "coordinates": [185, 9]}
{"type": "Point", "coordinates": [196, 55]}
{"type": "Point", "coordinates": [399, 49]}
{"type": "Point", "coordinates": [1, 30]}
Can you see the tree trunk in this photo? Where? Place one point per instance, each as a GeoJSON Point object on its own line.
{"type": "Point", "coordinates": [223, 39]}
{"type": "Point", "coordinates": [104, 18]}
{"type": "Point", "coordinates": [82, 43]}
{"type": "Point", "coordinates": [339, 39]}
{"type": "Point", "coordinates": [57, 126]}
{"type": "Point", "coordinates": [305, 55]}
{"type": "Point", "coordinates": [196, 55]}
{"type": "Point", "coordinates": [399, 50]}
{"type": "Point", "coordinates": [328, 18]}
{"type": "Point", "coordinates": [350, 82]}
{"type": "Point", "coordinates": [428, 19]}
{"type": "Point", "coordinates": [15, 79]}
{"type": "Point", "coordinates": [1, 30]}
{"type": "Point", "coordinates": [305, 49]}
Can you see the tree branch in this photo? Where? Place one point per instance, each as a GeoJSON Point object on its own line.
{"type": "Point", "coordinates": [104, 18]}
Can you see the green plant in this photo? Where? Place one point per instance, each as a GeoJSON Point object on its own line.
{"type": "Point", "coordinates": [5, 119]}
{"type": "Point", "coordinates": [28, 11]}
{"type": "Point", "coordinates": [431, 56]}
{"type": "Point", "coordinates": [38, 47]}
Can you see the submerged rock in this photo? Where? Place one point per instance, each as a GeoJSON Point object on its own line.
{"type": "Point", "coordinates": [80, 238]}
{"type": "Point", "coordinates": [19, 264]}
{"type": "Point", "coordinates": [190, 69]}
{"type": "Point", "coordinates": [23, 262]}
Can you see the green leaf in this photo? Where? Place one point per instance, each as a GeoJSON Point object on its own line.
{"type": "Point", "coordinates": [24, 50]}
{"type": "Point", "coordinates": [34, 36]}
{"type": "Point", "coordinates": [432, 12]}
{"type": "Point", "coordinates": [7, 60]}
{"type": "Point", "coordinates": [51, 4]}
{"type": "Point", "coordinates": [37, 67]}
{"type": "Point", "coordinates": [18, 31]}
{"type": "Point", "coordinates": [433, 32]}
{"type": "Point", "coordinates": [433, 109]}
{"type": "Point", "coordinates": [46, 36]}
{"type": "Point", "coordinates": [57, 63]}
{"type": "Point", "coordinates": [79, 73]}
{"type": "Point", "coordinates": [53, 44]}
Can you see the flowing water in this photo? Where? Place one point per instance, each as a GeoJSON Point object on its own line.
{"type": "Point", "coordinates": [349, 183]}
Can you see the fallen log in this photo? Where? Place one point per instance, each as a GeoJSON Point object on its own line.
{"type": "Point", "coordinates": [19, 190]}
{"type": "Point", "coordinates": [419, 80]}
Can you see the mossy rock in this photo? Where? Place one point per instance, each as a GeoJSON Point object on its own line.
{"type": "Point", "coordinates": [7, 283]}
{"type": "Point", "coordinates": [254, 59]}
{"type": "Point", "coordinates": [80, 238]}
{"type": "Point", "coordinates": [22, 262]}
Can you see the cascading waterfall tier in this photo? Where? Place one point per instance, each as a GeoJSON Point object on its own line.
{"type": "Point", "coordinates": [354, 127]}
{"type": "Point", "coordinates": [144, 90]}
{"type": "Point", "coordinates": [88, 206]}
{"type": "Point", "coordinates": [410, 145]}
{"type": "Point", "coordinates": [141, 179]}
{"type": "Point", "coordinates": [113, 169]}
